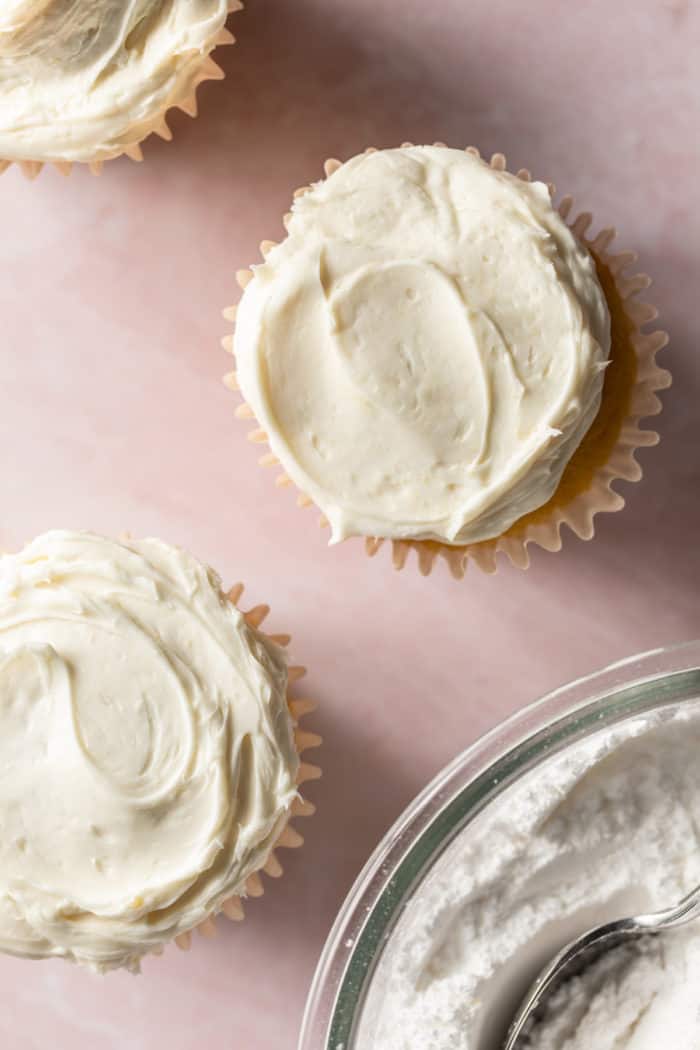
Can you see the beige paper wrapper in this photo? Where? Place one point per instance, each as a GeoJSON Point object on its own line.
{"type": "Point", "coordinates": [155, 125]}
{"type": "Point", "coordinates": [289, 837]}
{"type": "Point", "coordinates": [607, 452]}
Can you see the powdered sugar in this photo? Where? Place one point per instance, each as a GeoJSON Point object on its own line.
{"type": "Point", "coordinates": [641, 996]}
{"type": "Point", "coordinates": [610, 827]}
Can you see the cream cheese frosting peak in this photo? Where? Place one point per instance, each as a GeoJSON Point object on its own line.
{"type": "Point", "coordinates": [426, 348]}
{"type": "Point", "coordinates": [81, 80]}
{"type": "Point", "coordinates": [147, 759]}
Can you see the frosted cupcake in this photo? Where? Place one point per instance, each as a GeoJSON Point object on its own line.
{"type": "Point", "coordinates": [427, 350]}
{"type": "Point", "coordinates": [88, 80]}
{"type": "Point", "coordinates": [148, 758]}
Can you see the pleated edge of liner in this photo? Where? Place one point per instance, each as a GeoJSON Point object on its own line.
{"type": "Point", "coordinates": [210, 70]}
{"type": "Point", "coordinates": [289, 837]}
{"type": "Point", "coordinates": [622, 464]}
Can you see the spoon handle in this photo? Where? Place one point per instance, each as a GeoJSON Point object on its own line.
{"type": "Point", "coordinates": [685, 911]}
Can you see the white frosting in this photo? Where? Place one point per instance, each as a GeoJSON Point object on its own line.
{"type": "Point", "coordinates": [147, 761]}
{"type": "Point", "coordinates": [82, 79]}
{"type": "Point", "coordinates": [426, 348]}
{"type": "Point", "coordinates": [605, 830]}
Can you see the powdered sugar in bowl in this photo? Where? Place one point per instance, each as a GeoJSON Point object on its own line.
{"type": "Point", "coordinates": [581, 808]}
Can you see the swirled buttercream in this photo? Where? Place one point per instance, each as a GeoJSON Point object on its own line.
{"type": "Point", "coordinates": [81, 80]}
{"type": "Point", "coordinates": [425, 350]}
{"type": "Point", "coordinates": [147, 760]}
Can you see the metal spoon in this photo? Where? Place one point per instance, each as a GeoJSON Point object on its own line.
{"type": "Point", "coordinates": [585, 950]}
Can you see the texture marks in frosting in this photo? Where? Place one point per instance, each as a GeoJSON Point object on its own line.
{"type": "Point", "coordinates": [80, 80]}
{"type": "Point", "coordinates": [426, 348]}
{"type": "Point", "coordinates": [147, 761]}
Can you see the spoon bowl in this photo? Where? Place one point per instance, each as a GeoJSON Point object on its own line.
{"type": "Point", "coordinates": [581, 953]}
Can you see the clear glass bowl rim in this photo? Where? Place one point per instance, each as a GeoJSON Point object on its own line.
{"type": "Point", "coordinates": [652, 680]}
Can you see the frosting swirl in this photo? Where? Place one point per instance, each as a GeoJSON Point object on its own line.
{"type": "Point", "coordinates": [426, 348]}
{"type": "Point", "coordinates": [81, 80]}
{"type": "Point", "coordinates": [147, 761]}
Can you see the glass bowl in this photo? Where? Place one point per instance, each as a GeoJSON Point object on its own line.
{"type": "Point", "coordinates": [663, 678]}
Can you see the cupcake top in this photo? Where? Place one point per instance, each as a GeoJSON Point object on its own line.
{"type": "Point", "coordinates": [426, 349]}
{"type": "Point", "coordinates": [147, 760]}
{"type": "Point", "coordinates": [82, 79]}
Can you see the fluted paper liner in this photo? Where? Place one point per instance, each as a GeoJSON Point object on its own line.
{"type": "Point", "coordinates": [289, 838]}
{"type": "Point", "coordinates": [156, 125]}
{"type": "Point", "coordinates": [606, 453]}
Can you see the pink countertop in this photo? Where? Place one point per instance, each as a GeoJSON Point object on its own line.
{"type": "Point", "coordinates": [113, 417]}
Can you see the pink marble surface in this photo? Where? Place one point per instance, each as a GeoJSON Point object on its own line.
{"type": "Point", "coordinates": [113, 417]}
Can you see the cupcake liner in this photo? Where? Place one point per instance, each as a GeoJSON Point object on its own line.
{"type": "Point", "coordinates": [156, 125]}
{"type": "Point", "coordinates": [289, 837]}
{"type": "Point", "coordinates": [608, 450]}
